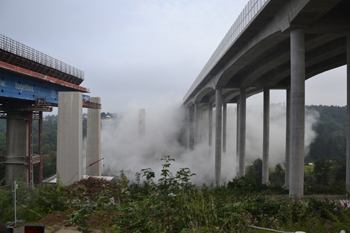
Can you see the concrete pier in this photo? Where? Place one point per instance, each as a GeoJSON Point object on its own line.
{"type": "Point", "coordinates": [188, 126]}
{"type": "Point", "coordinates": [16, 146]}
{"type": "Point", "coordinates": [196, 123]}
{"type": "Point", "coordinates": [93, 139]}
{"type": "Point", "coordinates": [70, 137]}
{"type": "Point", "coordinates": [142, 122]}
{"type": "Point", "coordinates": [210, 118]}
{"type": "Point", "coordinates": [287, 166]}
{"type": "Point", "coordinates": [348, 117]}
{"type": "Point", "coordinates": [218, 125]}
{"type": "Point", "coordinates": [242, 131]}
{"type": "Point", "coordinates": [298, 113]}
{"type": "Point", "coordinates": [224, 126]}
{"type": "Point", "coordinates": [266, 136]}
{"type": "Point", "coordinates": [237, 138]}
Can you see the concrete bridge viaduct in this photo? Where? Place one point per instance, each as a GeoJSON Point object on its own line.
{"type": "Point", "coordinates": [273, 44]}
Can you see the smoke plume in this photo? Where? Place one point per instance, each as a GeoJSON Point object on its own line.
{"type": "Point", "coordinates": [124, 149]}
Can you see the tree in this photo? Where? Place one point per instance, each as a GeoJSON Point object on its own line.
{"type": "Point", "coordinates": [339, 169]}
{"type": "Point", "coordinates": [277, 177]}
{"type": "Point", "coordinates": [255, 171]}
{"type": "Point", "coordinates": [322, 171]}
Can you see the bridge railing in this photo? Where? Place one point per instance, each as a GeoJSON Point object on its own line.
{"type": "Point", "coordinates": [19, 49]}
{"type": "Point", "coordinates": [249, 12]}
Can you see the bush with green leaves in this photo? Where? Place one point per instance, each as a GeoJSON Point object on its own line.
{"type": "Point", "coordinates": [172, 203]}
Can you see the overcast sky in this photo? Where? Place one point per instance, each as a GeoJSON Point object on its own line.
{"type": "Point", "coordinates": [137, 51]}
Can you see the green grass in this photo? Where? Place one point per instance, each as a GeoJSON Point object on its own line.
{"type": "Point", "coordinates": [308, 168]}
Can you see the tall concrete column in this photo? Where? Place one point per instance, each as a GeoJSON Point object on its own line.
{"type": "Point", "coordinates": [266, 136]}
{"type": "Point", "coordinates": [297, 138]}
{"type": "Point", "coordinates": [242, 131]}
{"type": "Point", "coordinates": [218, 125]}
{"type": "Point", "coordinates": [287, 166]}
{"type": "Point", "coordinates": [196, 123]}
{"type": "Point", "coordinates": [224, 126]}
{"type": "Point", "coordinates": [93, 139]}
{"type": "Point", "coordinates": [16, 146]}
{"type": "Point", "coordinates": [70, 137]}
{"type": "Point", "coordinates": [142, 122]}
{"type": "Point", "coordinates": [348, 117]}
{"type": "Point", "coordinates": [237, 134]}
{"type": "Point", "coordinates": [210, 117]}
{"type": "Point", "coordinates": [191, 128]}
{"type": "Point", "coordinates": [188, 128]}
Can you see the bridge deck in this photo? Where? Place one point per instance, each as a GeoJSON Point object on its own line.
{"type": "Point", "coordinates": [20, 55]}
{"type": "Point", "coordinates": [258, 54]}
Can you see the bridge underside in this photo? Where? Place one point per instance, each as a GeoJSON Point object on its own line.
{"type": "Point", "coordinates": [283, 45]}
{"type": "Point", "coordinates": [261, 55]}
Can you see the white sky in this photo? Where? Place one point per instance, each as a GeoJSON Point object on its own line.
{"type": "Point", "coordinates": [138, 51]}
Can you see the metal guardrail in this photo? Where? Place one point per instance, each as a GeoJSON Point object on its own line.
{"type": "Point", "coordinates": [19, 49]}
{"type": "Point", "coordinates": [249, 12]}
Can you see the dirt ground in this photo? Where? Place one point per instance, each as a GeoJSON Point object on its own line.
{"type": "Point", "coordinates": [54, 222]}
{"type": "Point", "coordinates": [92, 188]}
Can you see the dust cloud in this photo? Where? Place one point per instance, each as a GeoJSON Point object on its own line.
{"type": "Point", "coordinates": [124, 149]}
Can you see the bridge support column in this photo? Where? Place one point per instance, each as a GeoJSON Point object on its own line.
{"type": "Point", "coordinates": [142, 118]}
{"type": "Point", "coordinates": [237, 138]}
{"type": "Point", "coordinates": [348, 117]}
{"type": "Point", "coordinates": [224, 126]}
{"type": "Point", "coordinates": [297, 113]}
{"type": "Point", "coordinates": [196, 123]}
{"type": "Point", "coordinates": [17, 136]}
{"type": "Point", "coordinates": [287, 166]}
{"type": "Point", "coordinates": [210, 118]}
{"type": "Point", "coordinates": [190, 128]}
{"type": "Point", "coordinates": [242, 131]}
{"type": "Point", "coordinates": [266, 136]}
{"type": "Point", "coordinates": [93, 140]}
{"type": "Point", "coordinates": [218, 125]}
{"type": "Point", "coordinates": [70, 137]}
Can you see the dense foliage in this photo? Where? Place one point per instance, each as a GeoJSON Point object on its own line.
{"type": "Point", "coordinates": [331, 133]}
{"type": "Point", "coordinates": [173, 204]}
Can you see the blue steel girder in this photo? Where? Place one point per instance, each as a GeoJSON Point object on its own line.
{"type": "Point", "coordinates": [19, 88]}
